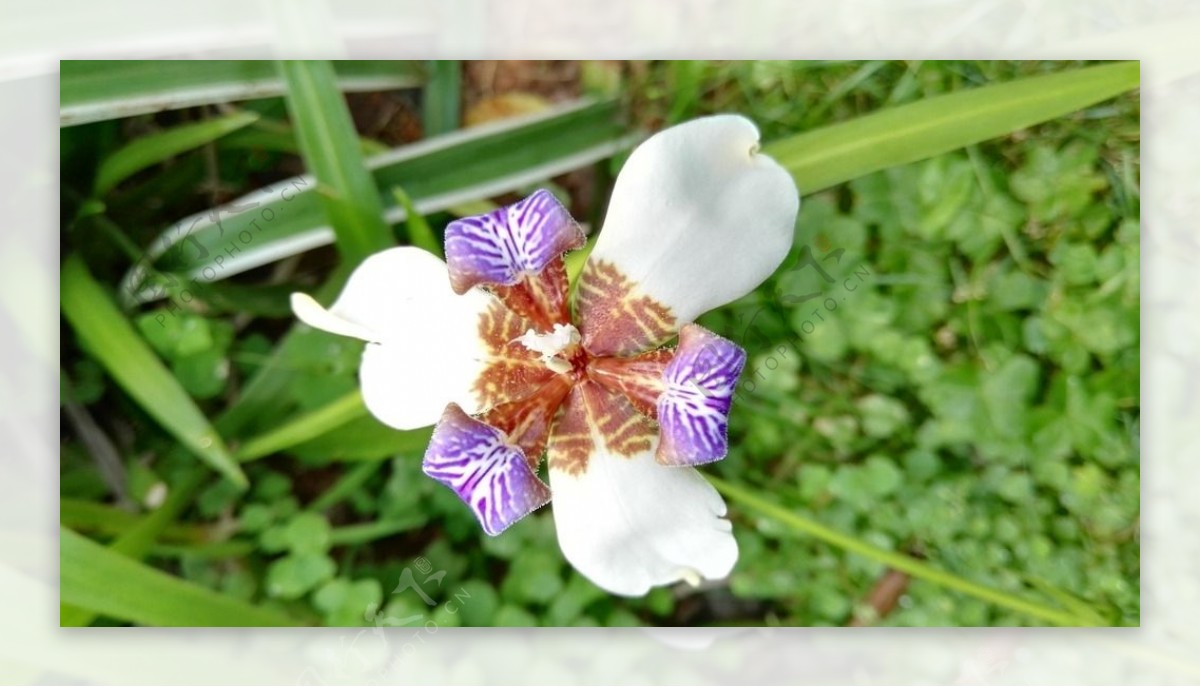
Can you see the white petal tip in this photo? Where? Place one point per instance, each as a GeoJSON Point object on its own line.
{"type": "Point", "coordinates": [694, 202]}
{"type": "Point", "coordinates": [691, 576]}
{"type": "Point", "coordinates": [310, 312]}
{"type": "Point", "coordinates": [656, 525]}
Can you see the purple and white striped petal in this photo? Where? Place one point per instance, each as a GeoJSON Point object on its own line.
{"type": "Point", "coordinates": [501, 246]}
{"type": "Point", "coordinates": [488, 474]}
{"type": "Point", "coordinates": [693, 412]}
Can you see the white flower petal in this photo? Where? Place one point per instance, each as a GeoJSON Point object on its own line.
{"type": "Point", "coordinates": [312, 313]}
{"type": "Point", "coordinates": [424, 347]}
{"type": "Point", "coordinates": [629, 524]}
{"type": "Point", "coordinates": [698, 218]}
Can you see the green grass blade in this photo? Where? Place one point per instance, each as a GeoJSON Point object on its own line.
{"type": "Point", "coordinates": [897, 561]}
{"type": "Point", "coordinates": [279, 137]}
{"type": "Point", "coordinates": [142, 534]}
{"type": "Point", "coordinates": [104, 582]}
{"type": "Point", "coordinates": [95, 90]}
{"type": "Point", "coordinates": [341, 430]}
{"type": "Point", "coordinates": [102, 519]}
{"type": "Point", "coordinates": [330, 147]}
{"type": "Point", "coordinates": [215, 550]}
{"type": "Point", "coordinates": [111, 339]}
{"type": "Point", "coordinates": [258, 405]}
{"type": "Point", "coordinates": [157, 147]}
{"type": "Point", "coordinates": [437, 174]}
{"type": "Point", "coordinates": [440, 99]}
{"type": "Point", "coordinates": [346, 485]}
{"type": "Point", "coordinates": [687, 77]}
{"type": "Point", "coordinates": [306, 427]}
{"type": "Point", "coordinates": [1069, 601]}
{"type": "Point", "coordinates": [420, 234]}
{"type": "Point", "coordinates": [136, 541]}
{"type": "Point", "coordinates": [908, 133]}
{"type": "Point", "coordinates": [350, 535]}
{"type": "Point", "coordinates": [364, 439]}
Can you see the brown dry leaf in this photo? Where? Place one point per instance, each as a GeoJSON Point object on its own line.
{"type": "Point", "coordinates": [883, 598]}
{"type": "Point", "coordinates": [503, 106]}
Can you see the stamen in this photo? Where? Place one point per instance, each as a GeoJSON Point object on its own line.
{"type": "Point", "coordinates": [564, 337]}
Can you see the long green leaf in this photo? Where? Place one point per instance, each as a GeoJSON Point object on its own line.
{"type": "Point", "coordinates": [102, 519]}
{"type": "Point", "coordinates": [280, 137]}
{"type": "Point", "coordinates": [364, 438]}
{"type": "Point", "coordinates": [420, 234]}
{"type": "Point", "coordinates": [232, 548]}
{"type": "Point", "coordinates": [94, 90]}
{"type": "Point", "coordinates": [341, 430]}
{"type": "Point", "coordinates": [440, 100]}
{"type": "Point", "coordinates": [136, 541]}
{"type": "Point", "coordinates": [351, 535]}
{"type": "Point", "coordinates": [258, 405]}
{"type": "Point", "coordinates": [111, 339]}
{"type": "Point", "coordinates": [440, 173]}
{"type": "Point", "coordinates": [306, 427]}
{"type": "Point", "coordinates": [907, 133]}
{"type": "Point", "coordinates": [104, 582]}
{"type": "Point", "coordinates": [141, 535]}
{"type": "Point", "coordinates": [897, 561]}
{"type": "Point", "coordinates": [157, 147]}
{"type": "Point", "coordinates": [329, 145]}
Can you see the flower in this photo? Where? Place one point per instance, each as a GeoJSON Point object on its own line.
{"type": "Point", "coordinates": [485, 345]}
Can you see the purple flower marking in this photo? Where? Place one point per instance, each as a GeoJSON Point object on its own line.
{"type": "Point", "coordinates": [497, 248]}
{"type": "Point", "coordinates": [693, 411]}
{"type": "Point", "coordinates": [489, 475]}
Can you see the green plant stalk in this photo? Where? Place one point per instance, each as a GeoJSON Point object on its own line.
{"type": "Point", "coordinates": [89, 516]}
{"type": "Point", "coordinates": [346, 485]}
{"type": "Point", "coordinates": [330, 147]}
{"type": "Point", "coordinates": [575, 260]}
{"type": "Point", "coordinates": [150, 150]}
{"type": "Point", "coordinates": [897, 561]}
{"type": "Point", "coordinates": [370, 531]}
{"type": "Point", "coordinates": [899, 135]}
{"type": "Point", "coordinates": [279, 137]}
{"type": "Point", "coordinates": [366, 439]}
{"type": "Point", "coordinates": [307, 426]}
{"type": "Point", "coordinates": [420, 234]}
{"type": "Point", "coordinates": [137, 540]}
{"type": "Point", "coordinates": [233, 548]}
{"type": "Point", "coordinates": [111, 339]}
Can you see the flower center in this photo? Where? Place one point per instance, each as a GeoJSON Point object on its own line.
{"type": "Point", "coordinates": [551, 346]}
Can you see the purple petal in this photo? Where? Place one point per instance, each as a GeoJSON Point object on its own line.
{"type": "Point", "coordinates": [489, 475]}
{"type": "Point", "coordinates": [498, 247]}
{"type": "Point", "coordinates": [693, 412]}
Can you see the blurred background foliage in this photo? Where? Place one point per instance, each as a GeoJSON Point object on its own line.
{"type": "Point", "coordinates": [945, 369]}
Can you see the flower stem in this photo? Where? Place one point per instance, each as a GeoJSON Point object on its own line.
{"type": "Point", "coordinates": [897, 561]}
